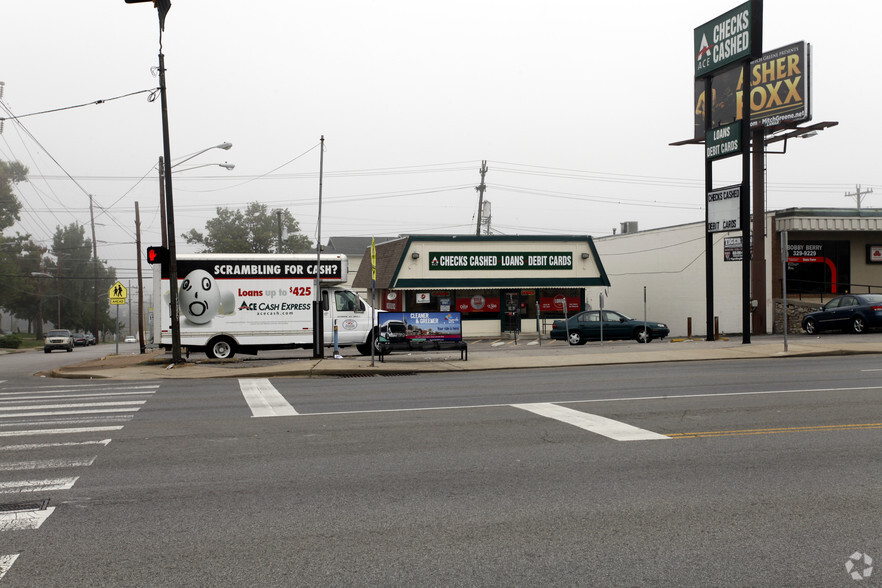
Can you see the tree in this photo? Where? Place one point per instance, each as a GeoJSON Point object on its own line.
{"type": "Point", "coordinates": [11, 173]}
{"type": "Point", "coordinates": [256, 230]}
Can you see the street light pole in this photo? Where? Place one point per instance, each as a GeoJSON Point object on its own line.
{"type": "Point", "coordinates": [170, 221]}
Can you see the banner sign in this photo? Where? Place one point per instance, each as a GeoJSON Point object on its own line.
{"type": "Point", "coordinates": [554, 304]}
{"type": "Point", "coordinates": [724, 209]}
{"type": "Point", "coordinates": [397, 327]}
{"type": "Point", "coordinates": [332, 269]}
{"type": "Point", "coordinates": [780, 91]}
{"type": "Point", "coordinates": [779, 88]}
{"type": "Point", "coordinates": [477, 303]}
{"type": "Point", "coordinates": [723, 141]}
{"type": "Point", "coordinates": [508, 260]}
{"type": "Point", "coordinates": [732, 250]}
{"type": "Point", "coordinates": [722, 41]}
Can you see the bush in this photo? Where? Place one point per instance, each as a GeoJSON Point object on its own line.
{"type": "Point", "coordinates": [10, 341]}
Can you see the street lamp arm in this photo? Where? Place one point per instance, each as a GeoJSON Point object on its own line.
{"type": "Point", "coordinates": [225, 165]}
{"type": "Point", "coordinates": [224, 146]}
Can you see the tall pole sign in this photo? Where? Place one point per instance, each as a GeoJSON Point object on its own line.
{"type": "Point", "coordinates": [723, 45]}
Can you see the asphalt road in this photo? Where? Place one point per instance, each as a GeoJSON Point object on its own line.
{"type": "Point", "coordinates": [742, 473]}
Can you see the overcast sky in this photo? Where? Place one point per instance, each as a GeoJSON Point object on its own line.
{"type": "Point", "coordinates": [572, 103]}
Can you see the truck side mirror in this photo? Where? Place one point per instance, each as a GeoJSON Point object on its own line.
{"type": "Point", "coordinates": [361, 307]}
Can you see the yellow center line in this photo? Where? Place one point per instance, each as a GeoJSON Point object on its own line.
{"type": "Point", "coordinates": [855, 427]}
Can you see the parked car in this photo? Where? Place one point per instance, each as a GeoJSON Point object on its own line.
{"type": "Point", "coordinates": [79, 339]}
{"type": "Point", "coordinates": [58, 339]}
{"type": "Point", "coordinates": [90, 339]}
{"type": "Point", "coordinates": [585, 326]}
{"type": "Point", "coordinates": [130, 339]}
{"type": "Point", "coordinates": [851, 312]}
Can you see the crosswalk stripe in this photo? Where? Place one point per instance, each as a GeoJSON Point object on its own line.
{"type": "Point", "coordinates": [47, 464]}
{"type": "Point", "coordinates": [73, 405]}
{"type": "Point", "coordinates": [64, 431]}
{"type": "Point", "coordinates": [22, 486]}
{"type": "Point", "coordinates": [263, 399]}
{"type": "Point", "coordinates": [65, 412]}
{"type": "Point", "coordinates": [591, 422]}
{"type": "Point", "coordinates": [22, 521]}
{"type": "Point", "coordinates": [38, 397]}
{"type": "Point", "coordinates": [6, 562]}
{"type": "Point", "coordinates": [33, 446]}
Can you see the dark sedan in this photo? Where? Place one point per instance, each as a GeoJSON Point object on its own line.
{"type": "Point", "coordinates": [80, 340]}
{"type": "Point", "coordinates": [586, 326]}
{"type": "Point", "coordinates": [851, 312]}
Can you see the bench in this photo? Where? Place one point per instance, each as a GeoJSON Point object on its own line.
{"type": "Point", "coordinates": [385, 347]}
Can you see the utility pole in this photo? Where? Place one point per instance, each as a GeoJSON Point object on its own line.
{"type": "Point", "coordinates": [480, 190]}
{"type": "Point", "coordinates": [140, 279]}
{"type": "Point", "coordinates": [858, 195]}
{"type": "Point", "coordinates": [94, 269]}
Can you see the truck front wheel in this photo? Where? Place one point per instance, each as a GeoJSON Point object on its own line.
{"type": "Point", "coordinates": [221, 348]}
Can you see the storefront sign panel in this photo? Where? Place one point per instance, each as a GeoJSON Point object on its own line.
{"type": "Point", "coordinates": [723, 40]}
{"type": "Point", "coordinates": [507, 260]}
{"type": "Point", "coordinates": [724, 209]}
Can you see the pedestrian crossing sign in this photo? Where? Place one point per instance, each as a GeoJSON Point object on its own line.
{"type": "Point", "coordinates": [118, 294]}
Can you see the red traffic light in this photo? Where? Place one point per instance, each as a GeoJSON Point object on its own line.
{"type": "Point", "coordinates": [157, 255]}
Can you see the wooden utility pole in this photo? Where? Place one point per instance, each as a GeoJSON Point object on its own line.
{"type": "Point", "coordinates": [480, 190]}
{"type": "Point", "coordinates": [858, 195]}
{"type": "Point", "coordinates": [140, 280]}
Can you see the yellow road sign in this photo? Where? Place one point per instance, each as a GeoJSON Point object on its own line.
{"type": "Point", "coordinates": [118, 294]}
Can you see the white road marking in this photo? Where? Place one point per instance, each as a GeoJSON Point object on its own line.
{"type": "Point", "coordinates": [23, 520]}
{"type": "Point", "coordinates": [32, 446]}
{"type": "Point", "coordinates": [77, 405]}
{"type": "Point", "coordinates": [22, 486]}
{"type": "Point", "coordinates": [61, 412]}
{"type": "Point", "coordinates": [76, 388]}
{"type": "Point", "coordinates": [71, 421]}
{"type": "Point", "coordinates": [6, 562]}
{"type": "Point", "coordinates": [57, 396]}
{"type": "Point", "coordinates": [263, 399]}
{"type": "Point", "coordinates": [591, 422]}
{"type": "Point", "coordinates": [47, 464]}
{"type": "Point", "coordinates": [65, 431]}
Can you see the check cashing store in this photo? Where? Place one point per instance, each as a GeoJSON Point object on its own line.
{"type": "Point", "coordinates": [499, 283]}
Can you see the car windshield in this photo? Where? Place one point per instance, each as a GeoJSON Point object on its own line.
{"type": "Point", "coordinates": [57, 333]}
{"type": "Point", "coordinates": [872, 298]}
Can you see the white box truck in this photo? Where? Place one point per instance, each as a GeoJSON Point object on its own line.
{"type": "Point", "coordinates": [244, 303]}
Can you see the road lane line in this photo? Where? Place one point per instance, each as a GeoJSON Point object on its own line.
{"type": "Point", "coordinates": [23, 521]}
{"type": "Point", "coordinates": [22, 486]}
{"type": "Point", "coordinates": [263, 399]}
{"type": "Point", "coordinates": [778, 430]}
{"type": "Point", "coordinates": [591, 422]}
{"type": "Point", "coordinates": [65, 431]}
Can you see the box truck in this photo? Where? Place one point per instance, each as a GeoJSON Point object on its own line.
{"type": "Point", "coordinates": [244, 303]}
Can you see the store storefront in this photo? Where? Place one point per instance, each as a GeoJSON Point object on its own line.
{"type": "Point", "coordinates": [498, 283]}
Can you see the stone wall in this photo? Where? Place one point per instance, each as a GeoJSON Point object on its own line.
{"type": "Point", "coordinates": [795, 310]}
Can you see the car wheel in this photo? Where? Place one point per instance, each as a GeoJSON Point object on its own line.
{"type": "Point", "coordinates": [46, 350]}
{"type": "Point", "coordinates": [575, 338]}
{"type": "Point", "coordinates": [642, 335]}
{"type": "Point", "coordinates": [220, 348]}
{"type": "Point", "coordinates": [858, 325]}
{"type": "Point", "coordinates": [810, 326]}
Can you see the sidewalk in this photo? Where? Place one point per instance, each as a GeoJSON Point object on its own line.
{"type": "Point", "coordinates": [483, 355]}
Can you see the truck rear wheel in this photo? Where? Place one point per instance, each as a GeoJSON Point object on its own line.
{"type": "Point", "coordinates": [221, 348]}
{"type": "Point", "coordinates": [365, 348]}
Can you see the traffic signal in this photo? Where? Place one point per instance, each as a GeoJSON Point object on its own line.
{"type": "Point", "coordinates": [157, 255]}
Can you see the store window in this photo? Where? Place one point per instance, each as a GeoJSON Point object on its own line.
{"type": "Point", "coordinates": [478, 304]}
